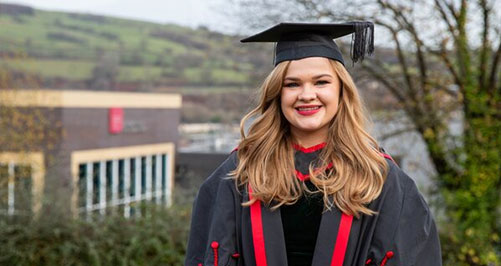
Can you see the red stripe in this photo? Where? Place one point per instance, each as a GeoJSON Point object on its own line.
{"type": "Point", "coordinates": [388, 157]}
{"type": "Point", "coordinates": [304, 177]}
{"type": "Point", "coordinates": [301, 176]}
{"type": "Point", "coordinates": [257, 231]}
{"type": "Point", "coordinates": [310, 149]}
{"type": "Point", "coordinates": [342, 240]}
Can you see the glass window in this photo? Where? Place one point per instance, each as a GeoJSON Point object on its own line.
{"type": "Point", "coordinates": [132, 177]}
{"type": "Point", "coordinates": [95, 182]}
{"type": "Point", "coordinates": [121, 184]}
{"type": "Point", "coordinates": [22, 188]}
{"type": "Point", "coordinates": [153, 174]}
{"type": "Point", "coordinates": [109, 180]}
{"type": "Point", "coordinates": [125, 180]}
{"type": "Point", "coordinates": [143, 175]}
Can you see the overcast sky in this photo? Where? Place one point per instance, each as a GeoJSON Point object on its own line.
{"type": "Point", "coordinates": [190, 13]}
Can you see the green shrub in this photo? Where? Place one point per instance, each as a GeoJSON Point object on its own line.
{"type": "Point", "coordinates": [156, 238]}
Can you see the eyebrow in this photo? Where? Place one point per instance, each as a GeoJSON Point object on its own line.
{"type": "Point", "coordinates": [315, 77]}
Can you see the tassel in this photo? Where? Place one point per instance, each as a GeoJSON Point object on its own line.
{"type": "Point", "coordinates": [362, 40]}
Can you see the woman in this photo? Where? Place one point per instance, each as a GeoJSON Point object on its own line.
{"type": "Point", "coordinates": [307, 184]}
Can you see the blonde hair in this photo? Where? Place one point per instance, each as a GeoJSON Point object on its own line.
{"type": "Point", "coordinates": [266, 154]}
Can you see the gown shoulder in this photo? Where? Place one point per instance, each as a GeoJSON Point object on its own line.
{"type": "Point", "coordinates": [404, 228]}
{"type": "Point", "coordinates": [216, 203]}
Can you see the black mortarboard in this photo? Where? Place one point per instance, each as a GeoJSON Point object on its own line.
{"type": "Point", "coordinates": [300, 40]}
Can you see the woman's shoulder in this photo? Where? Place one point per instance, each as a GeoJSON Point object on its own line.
{"type": "Point", "coordinates": [395, 177]}
{"type": "Point", "coordinates": [400, 197]}
{"type": "Point", "coordinates": [397, 180]}
{"type": "Point", "coordinates": [222, 174]}
{"type": "Point", "coordinates": [399, 193]}
{"type": "Point", "coordinates": [405, 222]}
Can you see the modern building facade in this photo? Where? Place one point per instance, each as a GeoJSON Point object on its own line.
{"type": "Point", "coordinates": [112, 149]}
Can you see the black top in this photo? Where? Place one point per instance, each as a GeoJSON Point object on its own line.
{"type": "Point", "coordinates": [301, 220]}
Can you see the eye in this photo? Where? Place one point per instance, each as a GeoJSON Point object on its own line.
{"type": "Point", "coordinates": [322, 82]}
{"type": "Point", "coordinates": [291, 85]}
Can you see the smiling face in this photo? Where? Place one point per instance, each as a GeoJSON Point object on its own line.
{"type": "Point", "coordinates": [310, 98]}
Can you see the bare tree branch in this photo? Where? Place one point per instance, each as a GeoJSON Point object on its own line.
{"type": "Point", "coordinates": [404, 22]}
{"type": "Point", "coordinates": [397, 133]}
{"type": "Point", "coordinates": [452, 10]}
{"type": "Point", "coordinates": [491, 86]}
{"type": "Point", "coordinates": [394, 89]}
{"type": "Point", "coordinates": [485, 47]}
{"type": "Point", "coordinates": [401, 59]}
{"type": "Point", "coordinates": [441, 87]}
{"type": "Point", "coordinates": [445, 18]}
{"type": "Point", "coordinates": [444, 57]}
{"type": "Point", "coordinates": [411, 29]}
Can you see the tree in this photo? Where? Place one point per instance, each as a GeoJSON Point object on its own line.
{"type": "Point", "coordinates": [447, 64]}
{"type": "Point", "coordinates": [25, 130]}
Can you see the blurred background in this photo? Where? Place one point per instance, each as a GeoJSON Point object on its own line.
{"type": "Point", "coordinates": [112, 113]}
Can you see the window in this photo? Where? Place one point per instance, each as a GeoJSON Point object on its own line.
{"type": "Point", "coordinates": [122, 182]}
{"type": "Point", "coordinates": [16, 189]}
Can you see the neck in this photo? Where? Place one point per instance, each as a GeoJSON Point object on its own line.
{"type": "Point", "coordinates": [309, 139]}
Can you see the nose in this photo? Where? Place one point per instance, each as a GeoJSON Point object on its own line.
{"type": "Point", "coordinates": [307, 93]}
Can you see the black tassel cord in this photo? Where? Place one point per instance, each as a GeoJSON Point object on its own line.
{"type": "Point", "coordinates": [362, 41]}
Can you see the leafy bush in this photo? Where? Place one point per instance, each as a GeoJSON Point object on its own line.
{"type": "Point", "coordinates": [156, 238]}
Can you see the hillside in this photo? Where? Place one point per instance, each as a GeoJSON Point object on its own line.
{"type": "Point", "coordinates": [83, 51]}
{"type": "Point", "coordinates": [99, 52]}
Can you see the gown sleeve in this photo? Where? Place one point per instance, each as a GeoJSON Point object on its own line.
{"type": "Point", "coordinates": [416, 238]}
{"type": "Point", "coordinates": [213, 219]}
{"type": "Point", "coordinates": [405, 231]}
{"type": "Point", "coordinates": [200, 223]}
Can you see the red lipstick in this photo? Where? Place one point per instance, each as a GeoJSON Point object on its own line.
{"type": "Point", "coordinates": [307, 110]}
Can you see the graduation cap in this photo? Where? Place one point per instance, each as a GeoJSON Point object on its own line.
{"type": "Point", "coordinates": [300, 40]}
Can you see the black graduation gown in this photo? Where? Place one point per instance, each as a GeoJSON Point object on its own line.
{"type": "Point", "coordinates": [225, 233]}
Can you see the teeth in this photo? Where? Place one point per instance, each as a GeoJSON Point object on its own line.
{"type": "Point", "coordinates": [308, 108]}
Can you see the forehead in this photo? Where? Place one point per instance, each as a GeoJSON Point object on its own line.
{"type": "Point", "coordinates": [310, 66]}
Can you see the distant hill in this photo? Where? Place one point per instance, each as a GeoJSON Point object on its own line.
{"type": "Point", "coordinates": [99, 52]}
{"type": "Point", "coordinates": [84, 51]}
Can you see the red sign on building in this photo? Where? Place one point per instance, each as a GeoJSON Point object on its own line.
{"type": "Point", "coordinates": [116, 120]}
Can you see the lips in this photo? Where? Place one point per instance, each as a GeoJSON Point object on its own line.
{"type": "Point", "coordinates": [307, 109]}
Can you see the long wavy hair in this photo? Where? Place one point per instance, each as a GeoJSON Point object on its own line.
{"type": "Point", "coordinates": [266, 154]}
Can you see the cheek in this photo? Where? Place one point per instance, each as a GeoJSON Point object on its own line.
{"type": "Point", "coordinates": [287, 101]}
{"type": "Point", "coordinates": [331, 101]}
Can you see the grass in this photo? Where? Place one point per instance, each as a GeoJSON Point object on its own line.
{"type": "Point", "coordinates": [75, 70]}
{"type": "Point", "coordinates": [229, 76]}
{"type": "Point", "coordinates": [139, 73]}
{"type": "Point", "coordinates": [69, 69]}
{"type": "Point", "coordinates": [131, 34]}
{"type": "Point", "coordinates": [69, 46]}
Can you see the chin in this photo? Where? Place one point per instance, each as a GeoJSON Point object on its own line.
{"type": "Point", "coordinates": [308, 128]}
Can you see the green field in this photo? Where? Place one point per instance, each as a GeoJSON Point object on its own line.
{"type": "Point", "coordinates": [77, 47]}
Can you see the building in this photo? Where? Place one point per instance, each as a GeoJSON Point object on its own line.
{"type": "Point", "coordinates": [109, 149]}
